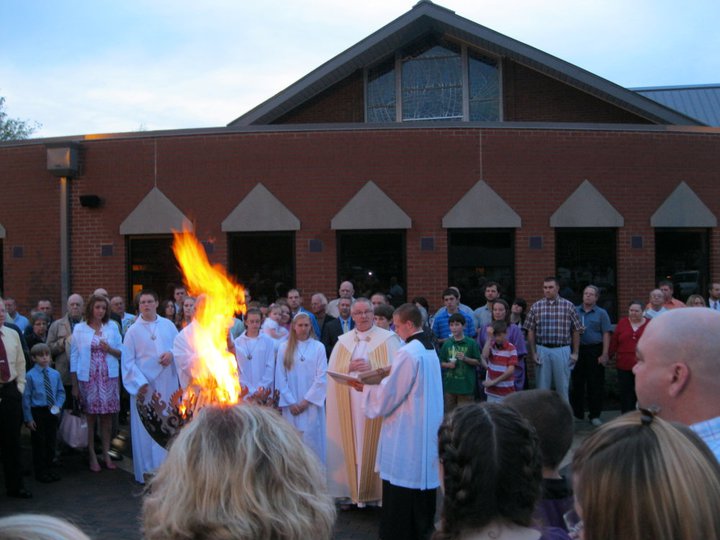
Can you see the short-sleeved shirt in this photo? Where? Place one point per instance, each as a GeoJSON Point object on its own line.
{"type": "Point", "coordinates": [596, 322]}
{"type": "Point", "coordinates": [462, 379]}
{"type": "Point", "coordinates": [501, 358]}
{"type": "Point", "coordinates": [441, 324]}
{"type": "Point", "coordinates": [553, 322]}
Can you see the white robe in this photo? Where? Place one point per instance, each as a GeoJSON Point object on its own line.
{"type": "Point", "coordinates": [410, 400]}
{"type": "Point", "coordinates": [306, 380]}
{"type": "Point", "coordinates": [259, 370]}
{"type": "Point", "coordinates": [355, 343]}
{"type": "Point", "coordinates": [140, 365]}
{"type": "Point", "coordinates": [184, 354]}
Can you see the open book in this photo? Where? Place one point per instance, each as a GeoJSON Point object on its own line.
{"type": "Point", "coordinates": [374, 376]}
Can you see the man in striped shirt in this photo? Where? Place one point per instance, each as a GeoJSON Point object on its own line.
{"type": "Point", "coordinates": [553, 327]}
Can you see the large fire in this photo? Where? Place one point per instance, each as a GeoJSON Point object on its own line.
{"type": "Point", "coordinates": [215, 374]}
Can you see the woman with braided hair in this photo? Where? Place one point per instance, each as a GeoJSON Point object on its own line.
{"type": "Point", "coordinates": [491, 472]}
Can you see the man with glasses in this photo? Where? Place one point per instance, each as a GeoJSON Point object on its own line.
{"type": "Point", "coordinates": [352, 438]}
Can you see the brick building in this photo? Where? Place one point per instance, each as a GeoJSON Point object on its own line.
{"type": "Point", "coordinates": [434, 151]}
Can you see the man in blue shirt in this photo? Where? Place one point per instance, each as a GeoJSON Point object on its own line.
{"type": "Point", "coordinates": [43, 399]}
{"type": "Point", "coordinates": [588, 377]}
{"type": "Point", "coordinates": [441, 324]}
{"type": "Point", "coordinates": [18, 320]}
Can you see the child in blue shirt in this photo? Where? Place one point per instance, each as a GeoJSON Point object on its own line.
{"type": "Point", "coordinates": [41, 409]}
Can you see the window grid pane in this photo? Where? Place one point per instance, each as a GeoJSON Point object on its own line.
{"type": "Point", "coordinates": [484, 89]}
{"type": "Point", "coordinates": [381, 94]}
{"type": "Point", "coordinates": [432, 85]}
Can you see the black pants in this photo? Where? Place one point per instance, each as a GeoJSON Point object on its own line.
{"type": "Point", "coordinates": [588, 376]}
{"type": "Point", "coordinates": [10, 422]}
{"type": "Point", "coordinates": [407, 514]}
{"type": "Point", "coordinates": [626, 389]}
{"type": "Point", "coordinates": [43, 440]}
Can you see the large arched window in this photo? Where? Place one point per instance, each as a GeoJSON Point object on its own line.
{"type": "Point", "coordinates": [434, 80]}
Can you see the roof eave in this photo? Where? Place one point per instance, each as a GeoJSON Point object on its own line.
{"type": "Point", "coordinates": [426, 18]}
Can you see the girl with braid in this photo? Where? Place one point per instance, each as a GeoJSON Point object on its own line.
{"type": "Point", "coordinates": [491, 472]}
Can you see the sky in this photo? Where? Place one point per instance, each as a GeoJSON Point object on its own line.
{"type": "Point", "coordinates": [107, 66]}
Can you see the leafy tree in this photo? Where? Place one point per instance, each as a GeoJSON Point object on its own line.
{"type": "Point", "coordinates": [12, 129]}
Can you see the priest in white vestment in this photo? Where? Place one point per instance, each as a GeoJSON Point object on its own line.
{"type": "Point", "coordinates": [353, 438]}
{"type": "Point", "coordinates": [147, 359]}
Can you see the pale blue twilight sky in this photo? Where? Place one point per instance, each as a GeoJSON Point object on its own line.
{"type": "Point", "coordinates": [102, 66]}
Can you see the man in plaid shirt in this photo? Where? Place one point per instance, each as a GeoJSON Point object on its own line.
{"type": "Point", "coordinates": [553, 327]}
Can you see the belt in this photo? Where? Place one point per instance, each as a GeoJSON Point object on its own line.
{"type": "Point", "coordinates": [552, 346]}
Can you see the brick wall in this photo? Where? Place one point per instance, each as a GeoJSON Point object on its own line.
{"type": "Point", "coordinates": [30, 214]}
{"type": "Point", "coordinates": [315, 174]}
{"type": "Point", "coordinates": [343, 102]}
{"type": "Point", "coordinates": [530, 96]}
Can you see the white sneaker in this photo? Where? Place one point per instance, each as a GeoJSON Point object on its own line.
{"type": "Point", "coordinates": [596, 422]}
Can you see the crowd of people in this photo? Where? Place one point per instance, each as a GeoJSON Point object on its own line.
{"type": "Point", "coordinates": [380, 406]}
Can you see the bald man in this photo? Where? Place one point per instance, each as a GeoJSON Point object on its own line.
{"type": "Point", "coordinates": [677, 370]}
{"type": "Point", "coordinates": [346, 290]}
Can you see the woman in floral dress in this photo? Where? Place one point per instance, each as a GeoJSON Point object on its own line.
{"type": "Point", "coordinates": [95, 351]}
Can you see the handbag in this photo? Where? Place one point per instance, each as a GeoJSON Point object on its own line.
{"type": "Point", "coordinates": [73, 429]}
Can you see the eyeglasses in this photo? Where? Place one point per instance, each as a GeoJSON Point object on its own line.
{"type": "Point", "coordinates": [648, 414]}
{"type": "Point", "coordinates": [367, 313]}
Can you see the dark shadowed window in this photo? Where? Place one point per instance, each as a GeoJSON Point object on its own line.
{"type": "Point", "coordinates": [371, 259]}
{"type": "Point", "coordinates": [588, 257]}
{"type": "Point", "coordinates": [151, 265]}
{"type": "Point", "coordinates": [681, 256]}
{"type": "Point", "coordinates": [264, 262]}
{"type": "Point", "coordinates": [479, 255]}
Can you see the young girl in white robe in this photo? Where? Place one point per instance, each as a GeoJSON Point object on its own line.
{"type": "Point", "coordinates": [301, 379]}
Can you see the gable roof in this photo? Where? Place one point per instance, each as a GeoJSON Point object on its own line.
{"type": "Point", "coordinates": [155, 214]}
{"type": "Point", "coordinates": [700, 101]}
{"type": "Point", "coordinates": [260, 210]}
{"type": "Point", "coordinates": [683, 208]}
{"type": "Point", "coordinates": [369, 209]}
{"type": "Point", "coordinates": [481, 208]}
{"type": "Point", "coordinates": [426, 18]}
{"type": "Point", "coordinates": [586, 207]}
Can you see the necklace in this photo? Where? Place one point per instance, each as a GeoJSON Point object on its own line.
{"type": "Point", "coordinates": [302, 353]}
{"type": "Point", "coordinates": [153, 330]}
{"type": "Point", "coordinates": [247, 347]}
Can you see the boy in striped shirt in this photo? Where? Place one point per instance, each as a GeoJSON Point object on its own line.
{"type": "Point", "coordinates": [499, 357]}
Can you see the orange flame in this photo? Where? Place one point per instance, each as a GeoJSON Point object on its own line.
{"type": "Point", "coordinates": [215, 374]}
